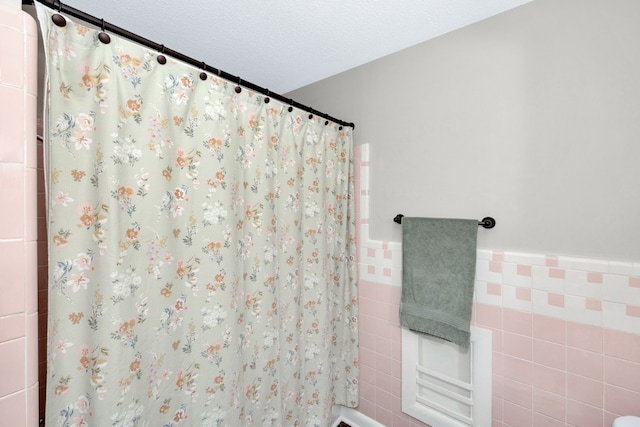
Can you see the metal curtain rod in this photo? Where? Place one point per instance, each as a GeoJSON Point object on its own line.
{"type": "Point", "coordinates": [105, 26]}
{"type": "Point", "coordinates": [487, 222]}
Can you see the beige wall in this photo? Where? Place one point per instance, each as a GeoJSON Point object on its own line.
{"type": "Point", "coordinates": [532, 117]}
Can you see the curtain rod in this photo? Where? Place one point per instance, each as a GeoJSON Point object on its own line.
{"type": "Point", "coordinates": [105, 26]}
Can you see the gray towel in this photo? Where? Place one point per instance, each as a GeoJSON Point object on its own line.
{"type": "Point", "coordinates": [438, 273]}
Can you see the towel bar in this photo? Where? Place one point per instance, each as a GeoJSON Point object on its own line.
{"type": "Point", "coordinates": [487, 222]}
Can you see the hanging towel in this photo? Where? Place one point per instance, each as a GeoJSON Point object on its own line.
{"type": "Point", "coordinates": [438, 273]}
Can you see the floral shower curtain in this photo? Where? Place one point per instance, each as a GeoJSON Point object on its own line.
{"type": "Point", "coordinates": [202, 247]}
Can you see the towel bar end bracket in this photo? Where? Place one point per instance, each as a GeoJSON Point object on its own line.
{"type": "Point", "coordinates": [487, 222]}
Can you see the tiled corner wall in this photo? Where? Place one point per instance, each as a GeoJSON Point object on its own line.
{"type": "Point", "coordinates": [18, 229]}
{"type": "Point", "coordinates": [566, 332]}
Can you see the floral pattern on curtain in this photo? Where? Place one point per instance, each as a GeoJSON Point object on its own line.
{"type": "Point", "coordinates": [202, 265]}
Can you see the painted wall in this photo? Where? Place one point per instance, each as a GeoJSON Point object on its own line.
{"type": "Point", "coordinates": [532, 117]}
{"type": "Point", "coordinates": [566, 331]}
{"type": "Point", "coordinates": [18, 228]}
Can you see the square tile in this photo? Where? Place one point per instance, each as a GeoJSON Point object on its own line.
{"type": "Point", "coordinates": [12, 58]}
{"type": "Point", "coordinates": [12, 286]}
{"type": "Point", "coordinates": [12, 366]}
{"type": "Point", "coordinates": [585, 363]}
{"type": "Point", "coordinates": [12, 215]}
{"type": "Point", "coordinates": [585, 390]}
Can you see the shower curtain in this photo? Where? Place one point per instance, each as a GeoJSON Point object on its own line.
{"type": "Point", "coordinates": [202, 263]}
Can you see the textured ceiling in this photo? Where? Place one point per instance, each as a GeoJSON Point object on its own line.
{"type": "Point", "coordinates": [283, 45]}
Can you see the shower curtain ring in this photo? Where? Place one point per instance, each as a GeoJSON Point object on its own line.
{"type": "Point", "coordinates": [161, 58]}
{"type": "Point", "coordinates": [238, 88]}
{"type": "Point", "coordinates": [103, 37]}
{"type": "Point", "coordinates": [290, 109]}
{"type": "Point", "coordinates": [58, 19]}
{"type": "Point", "coordinates": [203, 74]}
{"type": "Point", "coordinates": [267, 99]}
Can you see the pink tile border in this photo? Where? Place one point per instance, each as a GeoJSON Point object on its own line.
{"type": "Point", "coordinates": [556, 299]}
{"type": "Point", "coordinates": [557, 273]}
{"type": "Point", "coordinates": [633, 310]}
{"type": "Point", "coordinates": [494, 289]}
{"type": "Point", "coordinates": [593, 277]}
{"type": "Point", "coordinates": [524, 270]}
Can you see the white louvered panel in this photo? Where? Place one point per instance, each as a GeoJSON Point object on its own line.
{"type": "Point", "coordinates": [445, 385]}
{"type": "Point", "coordinates": [445, 378]}
{"type": "Point", "coordinates": [445, 410]}
{"type": "Point", "coordinates": [445, 392]}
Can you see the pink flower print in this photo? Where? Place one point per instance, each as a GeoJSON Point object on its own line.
{"type": "Point", "coordinates": [67, 51]}
{"type": "Point", "coordinates": [85, 208]}
{"type": "Point", "coordinates": [167, 258]}
{"type": "Point", "coordinates": [82, 405]}
{"type": "Point", "coordinates": [62, 346]}
{"type": "Point", "coordinates": [83, 350]}
{"type": "Point", "coordinates": [82, 262]}
{"type": "Point", "coordinates": [83, 356]}
{"type": "Point", "coordinates": [181, 96]}
{"type": "Point", "coordinates": [253, 121]}
{"type": "Point", "coordinates": [330, 168]}
{"type": "Point", "coordinates": [81, 140]}
{"type": "Point", "coordinates": [63, 198]}
{"type": "Point", "coordinates": [85, 121]}
{"type": "Point", "coordinates": [176, 209]}
{"type": "Point", "coordinates": [79, 281]}
{"type": "Point", "coordinates": [142, 305]}
{"type": "Point", "coordinates": [78, 422]}
{"type": "Point", "coordinates": [181, 157]}
{"type": "Point", "coordinates": [180, 268]}
{"type": "Point", "coordinates": [166, 374]}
